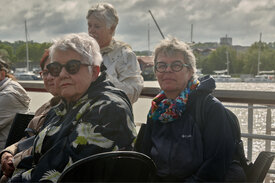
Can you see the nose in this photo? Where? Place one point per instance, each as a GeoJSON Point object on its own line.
{"type": "Point", "coordinates": [63, 72]}
{"type": "Point", "coordinates": [168, 69]}
{"type": "Point", "coordinates": [50, 77]}
{"type": "Point", "coordinates": [91, 29]}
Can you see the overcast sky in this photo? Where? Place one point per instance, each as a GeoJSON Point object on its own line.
{"type": "Point", "coordinates": [243, 20]}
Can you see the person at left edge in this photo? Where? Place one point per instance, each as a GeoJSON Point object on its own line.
{"type": "Point", "coordinates": [93, 116]}
{"type": "Point", "coordinates": [13, 99]}
{"type": "Point", "coordinates": [12, 155]}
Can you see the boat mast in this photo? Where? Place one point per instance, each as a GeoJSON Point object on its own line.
{"type": "Point", "coordinates": [259, 55]}
{"type": "Point", "coordinates": [191, 33]}
{"type": "Point", "coordinates": [27, 47]}
{"type": "Point", "coordinates": [148, 39]}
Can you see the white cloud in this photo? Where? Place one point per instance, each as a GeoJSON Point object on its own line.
{"type": "Point", "coordinates": [242, 20]}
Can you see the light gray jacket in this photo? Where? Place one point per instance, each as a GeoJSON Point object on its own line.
{"type": "Point", "coordinates": [123, 69]}
{"type": "Point", "coordinates": [13, 99]}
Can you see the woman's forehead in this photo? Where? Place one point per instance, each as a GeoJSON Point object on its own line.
{"type": "Point", "coordinates": [97, 17]}
{"type": "Point", "coordinates": [172, 55]}
{"type": "Point", "coordinates": [66, 55]}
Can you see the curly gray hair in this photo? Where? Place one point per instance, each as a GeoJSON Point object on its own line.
{"type": "Point", "coordinates": [104, 12]}
{"type": "Point", "coordinates": [171, 46]}
{"type": "Point", "coordinates": [83, 44]}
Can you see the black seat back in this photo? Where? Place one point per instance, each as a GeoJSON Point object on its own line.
{"type": "Point", "coordinates": [139, 139]}
{"type": "Point", "coordinates": [115, 166]}
{"type": "Point", "coordinates": [17, 130]}
{"type": "Point", "coordinates": [260, 167]}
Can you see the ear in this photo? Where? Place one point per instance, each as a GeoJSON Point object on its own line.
{"type": "Point", "coordinates": [95, 72]}
{"type": "Point", "coordinates": [191, 73]}
{"type": "Point", "coordinates": [112, 30]}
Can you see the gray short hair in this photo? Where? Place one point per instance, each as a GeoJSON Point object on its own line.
{"type": "Point", "coordinates": [83, 44]}
{"type": "Point", "coordinates": [171, 46]}
{"type": "Point", "coordinates": [104, 12]}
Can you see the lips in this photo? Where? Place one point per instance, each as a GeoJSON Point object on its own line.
{"type": "Point", "coordinates": [65, 84]}
{"type": "Point", "coordinates": [168, 79]}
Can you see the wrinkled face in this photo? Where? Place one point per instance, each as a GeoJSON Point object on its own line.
{"type": "Point", "coordinates": [73, 86]}
{"type": "Point", "coordinates": [171, 82]}
{"type": "Point", "coordinates": [98, 30]}
{"type": "Point", "coordinates": [49, 80]}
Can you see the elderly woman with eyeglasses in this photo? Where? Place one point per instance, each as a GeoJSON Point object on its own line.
{"type": "Point", "coordinates": [180, 149]}
{"type": "Point", "coordinates": [121, 63]}
{"type": "Point", "coordinates": [93, 116]}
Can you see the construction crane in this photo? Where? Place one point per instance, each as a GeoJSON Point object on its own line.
{"type": "Point", "coordinates": [156, 24]}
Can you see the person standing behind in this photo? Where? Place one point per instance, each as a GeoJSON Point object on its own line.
{"type": "Point", "coordinates": [13, 99]}
{"type": "Point", "coordinates": [121, 63]}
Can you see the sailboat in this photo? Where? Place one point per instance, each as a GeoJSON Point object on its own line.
{"type": "Point", "coordinates": [262, 76]}
{"type": "Point", "coordinates": [25, 73]}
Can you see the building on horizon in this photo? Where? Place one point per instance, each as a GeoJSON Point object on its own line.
{"type": "Point", "coordinates": [226, 41]}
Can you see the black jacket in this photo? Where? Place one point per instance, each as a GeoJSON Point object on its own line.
{"type": "Point", "coordinates": [100, 121]}
{"type": "Point", "coordinates": [182, 152]}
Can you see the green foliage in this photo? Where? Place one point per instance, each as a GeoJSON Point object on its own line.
{"type": "Point", "coordinates": [16, 52]}
{"type": "Point", "coordinates": [241, 60]}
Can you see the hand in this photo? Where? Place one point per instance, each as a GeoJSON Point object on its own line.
{"type": "Point", "coordinates": [7, 164]}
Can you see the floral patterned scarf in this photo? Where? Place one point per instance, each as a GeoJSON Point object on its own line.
{"type": "Point", "coordinates": [167, 110]}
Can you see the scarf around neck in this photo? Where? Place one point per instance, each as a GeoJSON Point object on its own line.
{"type": "Point", "coordinates": [167, 110]}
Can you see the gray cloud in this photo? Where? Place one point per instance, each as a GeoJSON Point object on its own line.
{"type": "Point", "coordinates": [243, 20]}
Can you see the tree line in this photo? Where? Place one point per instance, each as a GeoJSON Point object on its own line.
{"type": "Point", "coordinates": [15, 53]}
{"type": "Point", "coordinates": [242, 60]}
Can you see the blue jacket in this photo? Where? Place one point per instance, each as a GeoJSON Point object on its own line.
{"type": "Point", "coordinates": [182, 152]}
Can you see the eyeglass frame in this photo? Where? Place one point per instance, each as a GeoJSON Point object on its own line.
{"type": "Point", "coordinates": [169, 65]}
{"type": "Point", "coordinates": [44, 73]}
{"type": "Point", "coordinates": [64, 65]}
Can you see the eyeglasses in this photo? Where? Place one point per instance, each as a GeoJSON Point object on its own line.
{"type": "Point", "coordinates": [44, 73]}
{"type": "Point", "coordinates": [72, 67]}
{"type": "Point", "coordinates": [175, 66]}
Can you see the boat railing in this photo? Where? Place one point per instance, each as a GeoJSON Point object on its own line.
{"type": "Point", "coordinates": [235, 99]}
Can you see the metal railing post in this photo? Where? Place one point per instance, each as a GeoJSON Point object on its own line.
{"type": "Point", "coordinates": [268, 132]}
{"type": "Point", "coordinates": [268, 128]}
{"type": "Point", "coordinates": [250, 131]}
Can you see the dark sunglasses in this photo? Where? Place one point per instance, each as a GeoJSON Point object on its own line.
{"type": "Point", "coordinates": [72, 67]}
{"type": "Point", "coordinates": [44, 73]}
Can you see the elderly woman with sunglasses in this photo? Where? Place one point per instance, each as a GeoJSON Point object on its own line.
{"type": "Point", "coordinates": [180, 149]}
{"type": "Point", "coordinates": [93, 116]}
{"type": "Point", "coordinates": [118, 58]}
